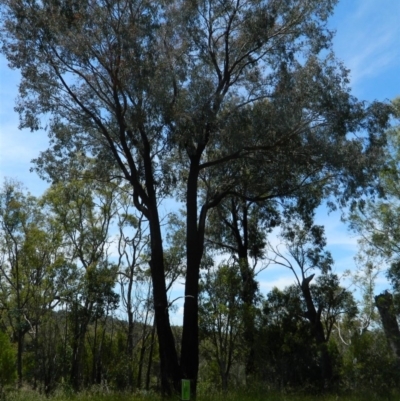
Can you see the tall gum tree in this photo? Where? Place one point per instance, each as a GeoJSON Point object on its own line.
{"type": "Point", "coordinates": [140, 85]}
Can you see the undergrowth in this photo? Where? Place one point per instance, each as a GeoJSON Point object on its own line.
{"type": "Point", "coordinates": [250, 395]}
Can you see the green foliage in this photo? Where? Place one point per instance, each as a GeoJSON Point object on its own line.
{"type": "Point", "coordinates": [333, 300]}
{"type": "Point", "coordinates": [368, 363]}
{"type": "Point", "coordinates": [287, 354]}
{"type": "Point", "coordinates": [376, 219]}
{"type": "Point", "coordinates": [221, 321]}
{"type": "Point", "coordinates": [8, 371]}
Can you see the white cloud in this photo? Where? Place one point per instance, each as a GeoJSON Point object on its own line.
{"type": "Point", "coordinates": [367, 37]}
{"type": "Point", "coordinates": [177, 317]}
{"type": "Point", "coordinates": [280, 282]}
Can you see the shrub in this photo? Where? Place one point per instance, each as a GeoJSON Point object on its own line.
{"type": "Point", "coordinates": [8, 372]}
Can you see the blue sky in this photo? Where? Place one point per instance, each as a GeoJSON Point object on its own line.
{"type": "Point", "coordinates": [367, 41]}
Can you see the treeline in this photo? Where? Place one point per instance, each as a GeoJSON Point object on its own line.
{"type": "Point", "coordinates": [77, 310]}
{"type": "Point", "coordinates": [239, 111]}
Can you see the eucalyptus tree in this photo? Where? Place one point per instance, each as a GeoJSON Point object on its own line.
{"type": "Point", "coordinates": [85, 211]}
{"type": "Point", "coordinates": [31, 260]}
{"type": "Point", "coordinates": [375, 218]}
{"type": "Point", "coordinates": [239, 227]}
{"type": "Point", "coordinates": [221, 319]}
{"type": "Point", "coordinates": [133, 262]}
{"type": "Point", "coordinates": [140, 85]}
{"type": "Point", "coordinates": [376, 221]}
{"type": "Point", "coordinates": [240, 224]}
{"type": "Point", "coordinates": [304, 254]}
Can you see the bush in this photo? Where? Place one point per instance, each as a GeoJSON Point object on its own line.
{"type": "Point", "coordinates": [8, 373]}
{"type": "Point", "coordinates": [370, 365]}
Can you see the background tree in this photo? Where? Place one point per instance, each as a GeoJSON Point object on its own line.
{"type": "Point", "coordinates": [325, 301]}
{"type": "Point", "coordinates": [8, 373]}
{"type": "Point", "coordinates": [376, 220]}
{"type": "Point", "coordinates": [133, 262]}
{"type": "Point", "coordinates": [85, 212]}
{"type": "Point", "coordinates": [221, 320]}
{"type": "Point", "coordinates": [287, 352]}
{"type": "Point", "coordinates": [238, 227]}
{"type": "Point", "coordinates": [32, 257]}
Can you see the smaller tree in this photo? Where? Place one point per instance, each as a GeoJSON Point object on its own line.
{"type": "Point", "coordinates": [324, 302]}
{"type": "Point", "coordinates": [287, 354]}
{"type": "Point", "coordinates": [31, 258]}
{"type": "Point", "coordinates": [221, 319]}
{"type": "Point", "coordinates": [8, 372]}
{"type": "Point", "coordinates": [377, 221]}
{"type": "Point", "coordinates": [85, 210]}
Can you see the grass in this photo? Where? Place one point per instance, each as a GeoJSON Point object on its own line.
{"type": "Point", "coordinates": [30, 395]}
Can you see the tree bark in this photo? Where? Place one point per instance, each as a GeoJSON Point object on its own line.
{"type": "Point", "coordinates": [142, 351]}
{"type": "Point", "coordinates": [249, 285]}
{"type": "Point", "coordinates": [384, 303]}
{"type": "Point", "coordinates": [249, 288]}
{"type": "Point", "coordinates": [169, 367]}
{"type": "Point", "coordinates": [150, 361]}
{"type": "Point", "coordinates": [77, 351]}
{"type": "Point", "coordinates": [131, 326]}
{"type": "Point", "coordinates": [317, 328]}
{"type": "Point", "coordinates": [20, 350]}
{"type": "Point", "coordinates": [194, 249]}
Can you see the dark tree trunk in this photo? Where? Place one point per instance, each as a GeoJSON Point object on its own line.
{"type": "Point", "coordinates": [249, 285]}
{"type": "Point", "coordinates": [194, 249]}
{"type": "Point", "coordinates": [318, 332]}
{"type": "Point", "coordinates": [77, 352]}
{"type": "Point", "coordinates": [384, 303]}
{"type": "Point", "coordinates": [169, 366]}
{"type": "Point", "coordinates": [94, 354]}
{"type": "Point", "coordinates": [75, 376]}
{"type": "Point", "coordinates": [142, 351]}
{"type": "Point", "coordinates": [170, 372]}
{"type": "Point", "coordinates": [81, 322]}
{"type": "Point", "coordinates": [129, 341]}
{"type": "Point", "coordinates": [248, 294]}
{"type": "Point", "coordinates": [20, 350]}
{"type": "Point", "coordinates": [148, 373]}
